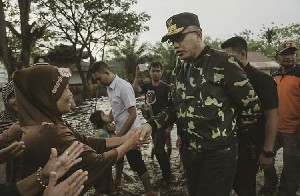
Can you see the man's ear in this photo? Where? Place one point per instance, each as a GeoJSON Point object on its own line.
{"type": "Point", "coordinates": [199, 33]}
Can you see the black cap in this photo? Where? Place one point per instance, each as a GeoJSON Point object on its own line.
{"type": "Point", "coordinates": [286, 45]}
{"type": "Point", "coordinates": [177, 23]}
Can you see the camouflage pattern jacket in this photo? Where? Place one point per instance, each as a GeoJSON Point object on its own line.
{"type": "Point", "coordinates": [205, 105]}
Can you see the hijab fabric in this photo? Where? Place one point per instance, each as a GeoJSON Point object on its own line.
{"type": "Point", "coordinates": [37, 90]}
{"type": "Point", "coordinates": [9, 114]}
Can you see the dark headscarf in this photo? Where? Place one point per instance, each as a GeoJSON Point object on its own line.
{"type": "Point", "coordinates": [9, 114]}
{"type": "Point", "coordinates": [37, 90]}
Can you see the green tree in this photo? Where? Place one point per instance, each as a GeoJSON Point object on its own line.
{"type": "Point", "coordinates": [129, 55]}
{"type": "Point", "coordinates": [268, 39]}
{"type": "Point", "coordinates": [20, 31]}
{"type": "Point", "coordinates": [165, 54]}
{"type": "Point", "coordinates": [87, 23]}
{"type": "Point", "coordinates": [213, 43]}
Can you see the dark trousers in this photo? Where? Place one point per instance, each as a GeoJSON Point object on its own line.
{"type": "Point", "coordinates": [159, 141]}
{"type": "Point", "coordinates": [136, 162]}
{"type": "Point", "coordinates": [290, 176]}
{"type": "Point", "coordinates": [209, 173]}
{"type": "Point", "coordinates": [246, 169]}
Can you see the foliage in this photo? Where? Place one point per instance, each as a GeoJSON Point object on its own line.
{"type": "Point", "coordinates": [93, 25]}
{"type": "Point", "coordinates": [165, 54]}
{"type": "Point", "coordinates": [129, 55]}
{"type": "Point", "coordinates": [213, 43]}
{"type": "Point", "coordinates": [269, 39]}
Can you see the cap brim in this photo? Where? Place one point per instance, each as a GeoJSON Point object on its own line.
{"type": "Point", "coordinates": [165, 38]}
{"type": "Point", "coordinates": [293, 48]}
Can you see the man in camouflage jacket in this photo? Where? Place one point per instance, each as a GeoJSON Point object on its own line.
{"type": "Point", "coordinates": [207, 91]}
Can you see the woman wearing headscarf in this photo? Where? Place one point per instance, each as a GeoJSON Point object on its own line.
{"type": "Point", "coordinates": [10, 111]}
{"type": "Point", "coordinates": [8, 117]}
{"type": "Point", "coordinates": [43, 95]}
{"type": "Point", "coordinates": [9, 132]}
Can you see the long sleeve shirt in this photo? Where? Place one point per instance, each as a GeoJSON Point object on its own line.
{"type": "Point", "coordinates": [204, 100]}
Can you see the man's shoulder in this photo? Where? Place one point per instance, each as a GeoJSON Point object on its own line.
{"type": "Point", "coordinates": [250, 69]}
{"type": "Point", "coordinates": [123, 83]}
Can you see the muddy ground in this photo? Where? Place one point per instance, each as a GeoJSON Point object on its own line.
{"type": "Point", "coordinates": [131, 185]}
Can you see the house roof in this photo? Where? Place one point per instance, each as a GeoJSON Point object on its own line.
{"type": "Point", "coordinates": [260, 61]}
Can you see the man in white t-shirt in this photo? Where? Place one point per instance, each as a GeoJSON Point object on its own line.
{"type": "Point", "coordinates": [124, 114]}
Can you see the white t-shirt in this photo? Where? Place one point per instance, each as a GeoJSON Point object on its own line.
{"type": "Point", "coordinates": [121, 97]}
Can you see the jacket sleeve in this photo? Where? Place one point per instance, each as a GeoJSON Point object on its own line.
{"type": "Point", "coordinates": [241, 92]}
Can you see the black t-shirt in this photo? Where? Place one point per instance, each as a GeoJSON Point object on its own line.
{"type": "Point", "coordinates": [266, 89]}
{"type": "Point", "coordinates": [157, 96]}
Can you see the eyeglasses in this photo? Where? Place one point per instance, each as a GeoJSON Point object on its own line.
{"type": "Point", "coordinates": [178, 38]}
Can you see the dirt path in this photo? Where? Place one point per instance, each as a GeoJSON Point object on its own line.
{"type": "Point", "coordinates": [131, 184]}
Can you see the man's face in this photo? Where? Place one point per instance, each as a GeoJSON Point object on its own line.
{"type": "Point", "coordinates": [287, 58]}
{"type": "Point", "coordinates": [186, 46]}
{"type": "Point", "coordinates": [232, 52]}
{"type": "Point", "coordinates": [101, 77]}
{"type": "Point", "coordinates": [155, 73]}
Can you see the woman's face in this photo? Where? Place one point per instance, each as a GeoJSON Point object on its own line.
{"type": "Point", "coordinates": [64, 103]}
{"type": "Point", "coordinates": [12, 102]}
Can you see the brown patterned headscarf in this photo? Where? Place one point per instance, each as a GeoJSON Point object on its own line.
{"type": "Point", "coordinates": [9, 114]}
{"type": "Point", "coordinates": [37, 90]}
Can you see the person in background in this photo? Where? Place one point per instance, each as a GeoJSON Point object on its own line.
{"type": "Point", "coordinates": [9, 115]}
{"type": "Point", "coordinates": [10, 131]}
{"type": "Point", "coordinates": [40, 108]}
{"type": "Point", "coordinates": [54, 169]}
{"type": "Point", "coordinates": [255, 142]}
{"type": "Point", "coordinates": [287, 78]}
{"type": "Point", "coordinates": [208, 88]}
{"type": "Point", "coordinates": [102, 123]}
{"type": "Point", "coordinates": [156, 98]}
{"type": "Point", "coordinates": [106, 129]}
{"type": "Point", "coordinates": [124, 114]}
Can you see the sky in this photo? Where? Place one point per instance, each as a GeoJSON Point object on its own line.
{"type": "Point", "coordinates": [219, 18]}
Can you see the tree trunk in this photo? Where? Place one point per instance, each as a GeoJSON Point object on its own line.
{"type": "Point", "coordinates": [77, 61]}
{"type": "Point", "coordinates": [5, 53]}
{"type": "Point", "coordinates": [24, 6]}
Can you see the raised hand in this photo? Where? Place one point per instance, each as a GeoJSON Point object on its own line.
{"type": "Point", "coordinates": [13, 150]}
{"type": "Point", "coordinates": [64, 162]}
{"type": "Point", "coordinates": [146, 131]}
{"type": "Point", "coordinates": [72, 186]}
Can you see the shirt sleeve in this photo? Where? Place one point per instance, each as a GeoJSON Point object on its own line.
{"type": "Point", "coordinates": [61, 137]}
{"type": "Point", "coordinates": [268, 94]}
{"type": "Point", "coordinates": [127, 96]}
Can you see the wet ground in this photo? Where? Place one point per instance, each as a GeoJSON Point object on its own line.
{"type": "Point", "coordinates": [131, 184]}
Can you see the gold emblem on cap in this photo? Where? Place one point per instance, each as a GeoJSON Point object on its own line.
{"type": "Point", "coordinates": [173, 29]}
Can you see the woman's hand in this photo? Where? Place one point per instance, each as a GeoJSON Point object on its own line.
{"type": "Point", "coordinates": [72, 186]}
{"type": "Point", "coordinates": [64, 162]}
{"type": "Point", "coordinates": [14, 132]}
{"type": "Point", "coordinates": [11, 151]}
{"type": "Point", "coordinates": [133, 139]}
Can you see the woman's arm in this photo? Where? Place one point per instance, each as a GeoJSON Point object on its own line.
{"type": "Point", "coordinates": [34, 183]}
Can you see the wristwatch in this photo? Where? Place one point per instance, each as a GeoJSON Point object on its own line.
{"type": "Point", "coordinates": [268, 154]}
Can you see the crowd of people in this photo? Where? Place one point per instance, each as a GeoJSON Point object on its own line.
{"type": "Point", "coordinates": [231, 119]}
